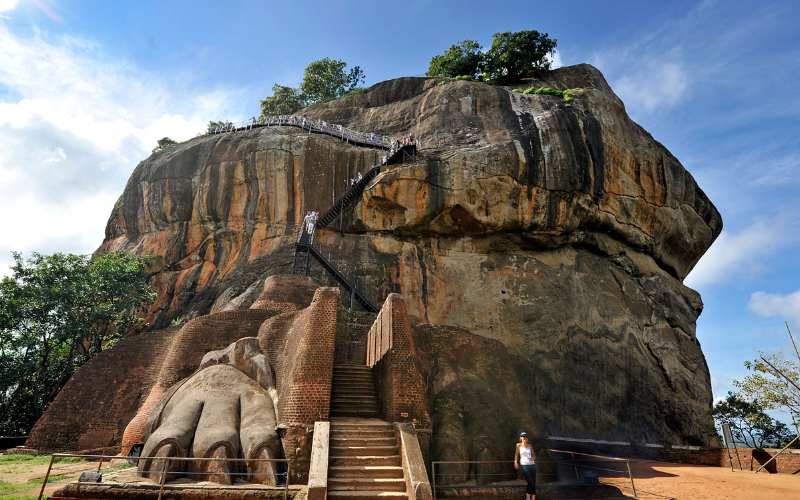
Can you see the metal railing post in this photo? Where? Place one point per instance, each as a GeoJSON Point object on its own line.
{"type": "Point", "coordinates": [47, 476]}
{"type": "Point", "coordinates": [163, 478]}
{"type": "Point", "coordinates": [630, 476]}
{"type": "Point", "coordinates": [433, 479]}
{"type": "Point", "coordinates": [286, 485]}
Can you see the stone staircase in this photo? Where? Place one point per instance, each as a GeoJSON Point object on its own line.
{"type": "Point", "coordinates": [353, 392]}
{"type": "Point", "coordinates": [364, 461]}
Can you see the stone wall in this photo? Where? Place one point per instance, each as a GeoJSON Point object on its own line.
{"type": "Point", "coordinates": [102, 396]}
{"type": "Point", "coordinates": [787, 462]}
{"type": "Point", "coordinates": [393, 358]}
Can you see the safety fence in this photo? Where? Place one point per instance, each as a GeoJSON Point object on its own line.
{"type": "Point", "coordinates": [312, 125]}
{"type": "Point", "coordinates": [114, 470]}
{"type": "Point", "coordinates": [470, 477]}
{"type": "Point", "coordinates": [590, 469]}
{"type": "Point", "coordinates": [487, 478]}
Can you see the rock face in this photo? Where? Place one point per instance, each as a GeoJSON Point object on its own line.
{"type": "Point", "coordinates": [540, 246]}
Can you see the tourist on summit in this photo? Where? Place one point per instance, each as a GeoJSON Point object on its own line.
{"type": "Point", "coordinates": [524, 457]}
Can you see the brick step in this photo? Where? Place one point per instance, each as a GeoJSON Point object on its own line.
{"type": "Point", "coordinates": [367, 387]}
{"type": "Point", "coordinates": [365, 471]}
{"type": "Point", "coordinates": [363, 441]}
{"type": "Point", "coordinates": [353, 400]}
{"type": "Point", "coordinates": [355, 393]}
{"type": "Point", "coordinates": [350, 366]}
{"type": "Point", "coordinates": [339, 378]}
{"type": "Point", "coordinates": [365, 460]}
{"type": "Point", "coordinates": [360, 451]}
{"type": "Point", "coordinates": [366, 484]}
{"type": "Point", "coordinates": [367, 495]}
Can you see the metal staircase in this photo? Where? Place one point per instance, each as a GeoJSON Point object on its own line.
{"type": "Point", "coordinates": [304, 248]}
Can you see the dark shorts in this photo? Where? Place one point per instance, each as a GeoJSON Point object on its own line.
{"type": "Point", "coordinates": [529, 473]}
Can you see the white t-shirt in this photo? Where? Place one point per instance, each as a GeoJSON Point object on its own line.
{"type": "Point", "coordinates": [525, 455]}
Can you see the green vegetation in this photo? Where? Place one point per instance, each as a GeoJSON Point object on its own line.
{"type": "Point", "coordinates": [214, 125]}
{"type": "Point", "coordinates": [461, 61]}
{"type": "Point", "coordinates": [323, 80]}
{"type": "Point", "coordinates": [749, 423]}
{"type": "Point", "coordinates": [18, 458]}
{"type": "Point", "coordinates": [164, 144]}
{"type": "Point", "coordinates": [283, 101]}
{"type": "Point", "coordinates": [566, 94]}
{"type": "Point", "coordinates": [56, 313]}
{"type": "Point", "coordinates": [512, 57]}
{"type": "Point", "coordinates": [326, 79]}
{"type": "Point", "coordinates": [771, 390]}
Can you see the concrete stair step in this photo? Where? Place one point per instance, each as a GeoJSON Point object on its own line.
{"type": "Point", "coordinates": [355, 394]}
{"type": "Point", "coordinates": [366, 427]}
{"type": "Point", "coordinates": [356, 435]}
{"type": "Point", "coordinates": [366, 471]}
{"type": "Point", "coordinates": [365, 460]}
{"type": "Point", "coordinates": [362, 441]}
{"type": "Point", "coordinates": [366, 484]}
{"type": "Point", "coordinates": [367, 495]}
{"type": "Point", "coordinates": [353, 400]}
{"type": "Point", "coordinates": [354, 413]}
{"type": "Point", "coordinates": [361, 451]}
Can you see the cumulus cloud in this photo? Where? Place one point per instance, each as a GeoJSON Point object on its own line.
{"type": "Point", "coordinates": [8, 5]}
{"type": "Point", "coordinates": [73, 124]}
{"type": "Point", "coordinates": [653, 85]}
{"type": "Point", "coordinates": [735, 253]}
{"type": "Point", "coordinates": [786, 306]}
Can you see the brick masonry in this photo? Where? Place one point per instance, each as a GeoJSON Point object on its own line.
{"type": "Point", "coordinates": [392, 355]}
{"type": "Point", "coordinates": [102, 396]}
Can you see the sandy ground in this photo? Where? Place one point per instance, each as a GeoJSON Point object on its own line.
{"type": "Point", "coordinates": [661, 480]}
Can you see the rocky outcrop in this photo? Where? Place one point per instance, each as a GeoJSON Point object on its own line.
{"type": "Point", "coordinates": [540, 246]}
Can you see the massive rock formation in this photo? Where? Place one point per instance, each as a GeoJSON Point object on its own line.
{"type": "Point", "coordinates": [540, 245]}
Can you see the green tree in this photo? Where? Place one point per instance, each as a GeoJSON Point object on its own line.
{"type": "Point", "coordinates": [214, 125]}
{"type": "Point", "coordinates": [518, 55]}
{"type": "Point", "coordinates": [164, 144]}
{"type": "Point", "coordinates": [770, 389]}
{"type": "Point", "coordinates": [461, 59]}
{"type": "Point", "coordinates": [327, 79]}
{"type": "Point", "coordinates": [749, 423]}
{"type": "Point", "coordinates": [283, 101]}
{"type": "Point", "coordinates": [57, 312]}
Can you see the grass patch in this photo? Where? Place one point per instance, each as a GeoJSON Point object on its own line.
{"type": "Point", "coordinates": [566, 94]}
{"type": "Point", "coordinates": [8, 490]}
{"type": "Point", "coordinates": [35, 459]}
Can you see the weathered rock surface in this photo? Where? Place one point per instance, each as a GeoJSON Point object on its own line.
{"type": "Point", "coordinates": [540, 245]}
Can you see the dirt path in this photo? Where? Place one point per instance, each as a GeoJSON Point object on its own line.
{"type": "Point", "coordinates": [661, 480]}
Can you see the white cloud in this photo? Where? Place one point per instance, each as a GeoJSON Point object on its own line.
{"type": "Point", "coordinates": [73, 124]}
{"type": "Point", "coordinates": [652, 86]}
{"type": "Point", "coordinates": [766, 304]}
{"type": "Point", "coordinates": [555, 60]}
{"type": "Point", "coordinates": [734, 254]}
{"type": "Point", "coordinates": [8, 5]}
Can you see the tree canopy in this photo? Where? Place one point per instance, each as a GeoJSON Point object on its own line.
{"type": "Point", "coordinates": [517, 55]}
{"type": "Point", "coordinates": [57, 312]}
{"type": "Point", "coordinates": [283, 101]}
{"type": "Point", "coordinates": [163, 144]}
{"type": "Point", "coordinates": [461, 59]}
{"type": "Point", "coordinates": [327, 79]}
{"type": "Point", "coordinates": [512, 57]}
{"type": "Point", "coordinates": [749, 422]}
{"type": "Point", "coordinates": [214, 125]}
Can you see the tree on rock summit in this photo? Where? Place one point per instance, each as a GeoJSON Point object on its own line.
{"type": "Point", "coordinates": [326, 79]}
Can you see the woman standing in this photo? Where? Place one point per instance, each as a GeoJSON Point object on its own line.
{"type": "Point", "coordinates": [524, 457]}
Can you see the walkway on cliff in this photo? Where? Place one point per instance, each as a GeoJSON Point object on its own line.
{"type": "Point", "coordinates": [368, 139]}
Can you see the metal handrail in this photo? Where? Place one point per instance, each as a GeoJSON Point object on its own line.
{"type": "Point", "coordinates": [600, 458]}
{"type": "Point", "coordinates": [165, 467]}
{"type": "Point", "coordinates": [312, 125]}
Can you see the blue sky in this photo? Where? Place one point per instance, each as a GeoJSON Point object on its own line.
{"type": "Point", "coordinates": [87, 87]}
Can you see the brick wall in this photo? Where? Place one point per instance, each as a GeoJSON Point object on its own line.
{"type": "Point", "coordinates": [300, 348]}
{"type": "Point", "coordinates": [392, 356]}
{"type": "Point", "coordinates": [102, 396]}
{"type": "Point", "coordinates": [787, 462]}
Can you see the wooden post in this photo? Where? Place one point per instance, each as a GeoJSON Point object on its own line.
{"type": "Point", "coordinates": [46, 476]}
